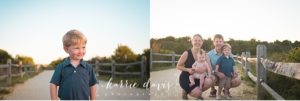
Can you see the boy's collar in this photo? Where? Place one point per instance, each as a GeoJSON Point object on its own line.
{"type": "Point", "coordinates": [226, 56]}
{"type": "Point", "coordinates": [67, 62]}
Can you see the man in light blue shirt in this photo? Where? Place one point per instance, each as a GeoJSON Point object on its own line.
{"type": "Point", "coordinates": [214, 55]}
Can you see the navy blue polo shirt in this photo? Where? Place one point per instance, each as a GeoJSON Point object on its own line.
{"type": "Point", "coordinates": [226, 65]}
{"type": "Point", "coordinates": [74, 83]}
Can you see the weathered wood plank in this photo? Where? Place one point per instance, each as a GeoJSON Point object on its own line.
{"type": "Point", "coordinates": [287, 69]}
{"type": "Point", "coordinates": [252, 77]}
{"type": "Point", "coordinates": [104, 64]}
{"type": "Point", "coordinates": [249, 59]}
{"type": "Point", "coordinates": [127, 64]}
{"type": "Point", "coordinates": [163, 61]}
{"type": "Point", "coordinates": [104, 71]}
{"type": "Point", "coordinates": [3, 66]}
{"type": "Point", "coordinates": [121, 73]}
{"type": "Point", "coordinates": [160, 54]}
{"type": "Point", "coordinates": [128, 73]}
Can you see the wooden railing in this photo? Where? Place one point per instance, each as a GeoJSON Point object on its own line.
{"type": "Point", "coordinates": [172, 60]}
{"type": "Point", "coordinates": [20, 70]}
{"type": "Point", "coordinates": [113, 65]}
{"type": "Point", "coordinates": [263, 65]}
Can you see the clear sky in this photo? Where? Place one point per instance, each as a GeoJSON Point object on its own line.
{"type": "Point", "coordinates": [265, 20]}
{"type": "Point", "coordinates": [35, 27]}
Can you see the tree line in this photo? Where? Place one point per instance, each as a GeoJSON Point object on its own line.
{"type": "Point", "coordinates": [122, 54]}
{"type": "Point", "coordinates": [4, 56]}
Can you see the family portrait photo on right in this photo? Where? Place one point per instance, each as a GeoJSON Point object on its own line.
{"type": "Point", "coordinates": [224, 50]}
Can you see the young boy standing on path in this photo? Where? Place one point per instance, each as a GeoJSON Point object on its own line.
{"type": "Point", "coordinates": [225, 71]}
{"type": "Point", "coordinates": [75, 78]}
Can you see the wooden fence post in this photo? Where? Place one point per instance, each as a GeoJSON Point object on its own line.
{"type": "Point", "coordinates": [97, 67]}
{"type": "Point", "coordinates": [261, 73]}
{"type": "Point", "coordinates": [247, 63]}
{"type": "Point", "coordinates": [25, 69]}
{"type": "Point", "coordinates": [8, 82]}
{"type": "Point", "coordinates": [173, 59]}
{"type": "Point", "coordinates": [143, 67]}
{"type": "Point", "coordinates": [21, 69]}
{"type": "Point", "coordinates": [113, 68]}
{"type": "Point", "coordinates": [242, 60]}
{"type": "Point", "coordinates": [150, 59]}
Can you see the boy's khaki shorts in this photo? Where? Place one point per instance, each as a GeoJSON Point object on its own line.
{"type": "Point", "coordinates": [226, 82]}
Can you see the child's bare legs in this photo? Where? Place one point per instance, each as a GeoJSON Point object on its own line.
{"type": "Point", "coordinates": [192, 81]}
{"type": "Point", "coordinates": [227, 87]}
{"type": "Point", "coordinates": [221, 86]}
{"type": "Point", "coordinates": [202, 76]}
{"type": "Point", "coordinates": [226, 92]}
{"type": "Point", "coordinates": [222, 81]}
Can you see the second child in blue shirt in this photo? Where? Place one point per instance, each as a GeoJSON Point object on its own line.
{"type": "Point", "coordinates": [225, 65]}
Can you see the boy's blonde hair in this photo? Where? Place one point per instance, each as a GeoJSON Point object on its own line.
{"type": "Point", "coordinates": [226, 45]}
{"type": "Point", "coordinates": [219, 36]}
{"type": "Point", "coordinates": [73, 37]}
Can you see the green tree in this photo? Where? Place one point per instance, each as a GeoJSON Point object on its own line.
{"type": "Point", "coordinates": [99, 59]}
{"type": "Point", "coordinates": [53, 63]}
{"type": "Point", "coordinates": [24, 59]}
{"type": "Point", "coordinates": [252, 46]}
{"type": "Point", "coordinates": [124, 54]}
{"type": "Point", "coordinates": [294, 55]}
{"type": "Point", "coordinates": [207, 44]}
{"type": "Point", "coordinates": [4, 56]}
{"type": "Point", "coordinates": [296, 44]}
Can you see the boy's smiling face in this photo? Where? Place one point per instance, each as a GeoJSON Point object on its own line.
{"type": "Point", "coordinates": [227, 51]}
{"type": "Point", "coordinates": [76, 51]}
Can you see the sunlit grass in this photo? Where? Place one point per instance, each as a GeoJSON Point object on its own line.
{"type": "Point", "coordinates": [245, 79]}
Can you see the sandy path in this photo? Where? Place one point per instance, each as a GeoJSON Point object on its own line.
{"type": "Point", "coordinates": [37, 88]}
{"type": "Point", "coordinates": [165, 85]}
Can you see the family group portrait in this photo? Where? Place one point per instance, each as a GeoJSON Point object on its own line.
{"type": "Point", "coordinates": [149, 50]}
